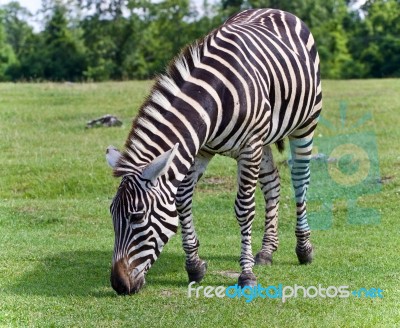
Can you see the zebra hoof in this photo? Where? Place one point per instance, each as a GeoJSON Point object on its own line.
{"type": "Point", "coordinates": [247, 279]}
{"type": "Point", "coordinates": [305, 256]}
{"type": "Point", "coordinates": [263, 258]}
{"type": "Point", "coordinates": [196, 271]}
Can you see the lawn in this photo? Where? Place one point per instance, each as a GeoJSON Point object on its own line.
{"type": "Point", "coordinates": [56, 235]}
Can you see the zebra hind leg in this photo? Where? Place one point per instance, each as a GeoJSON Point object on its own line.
{"type": "Point", "coordinates": [248, 168]}
{"type": "Point", "coordinates": [195, 266]}
{"type": "Point", "coordinates": [300, 173]}
{"type": "Point", "coordinates": [270, 186]}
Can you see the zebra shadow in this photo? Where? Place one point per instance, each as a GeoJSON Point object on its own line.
{"type": "Point", "coordinates": [68, 273]}
{"type": "Point", "coordinates": [169, 271]}
{"type": "Point", "coordinates": [83, 273]}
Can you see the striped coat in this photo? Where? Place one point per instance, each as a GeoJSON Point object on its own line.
{"type": "Point", "coordinates": [248, 84]}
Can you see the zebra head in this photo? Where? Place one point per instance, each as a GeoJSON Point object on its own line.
{"type": "Point", "coordinates": [144, 218]}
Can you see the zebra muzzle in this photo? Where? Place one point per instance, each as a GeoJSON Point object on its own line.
{"type": "Point", "coordinates": [123, 281]}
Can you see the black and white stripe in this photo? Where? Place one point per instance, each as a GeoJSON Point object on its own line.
{"type": "Point", "coordinates": [248, 84]}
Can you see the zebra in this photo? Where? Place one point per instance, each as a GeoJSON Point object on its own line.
{"type": "Point", "coordinates": [245, 86]}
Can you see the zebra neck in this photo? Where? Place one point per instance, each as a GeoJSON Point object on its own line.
{"type": "Point", "coordinates": [158, 128]}
{"type": "Point", "coordinates": [184, 107]}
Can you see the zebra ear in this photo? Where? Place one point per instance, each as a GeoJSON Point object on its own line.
{"type": "Point", "coordinates": [159, 165]}
{"type": "Point", "coordinates": [112, 156]}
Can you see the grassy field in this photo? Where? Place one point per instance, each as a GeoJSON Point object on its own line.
{"type": "Point", "coordinates": [56, 235]}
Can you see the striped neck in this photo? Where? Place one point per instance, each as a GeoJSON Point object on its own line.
{"type": "Point", "coordinates": [180, 109]}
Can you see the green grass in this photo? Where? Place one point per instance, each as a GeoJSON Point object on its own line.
{"type": "Point", "coordinates": [56, 235]}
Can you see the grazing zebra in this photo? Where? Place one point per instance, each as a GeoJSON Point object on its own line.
{"type": "Point", "coordinates": [248, 84]}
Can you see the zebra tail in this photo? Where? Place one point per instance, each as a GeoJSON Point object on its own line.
{"type": "Point", "coordinates": [280, 145]}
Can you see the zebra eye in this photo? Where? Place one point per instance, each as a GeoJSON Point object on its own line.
{"type": "Point", "coordinates": [136, 217]}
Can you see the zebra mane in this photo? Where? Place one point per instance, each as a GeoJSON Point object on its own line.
{"type": "Point", "coordinates": [165, 87]}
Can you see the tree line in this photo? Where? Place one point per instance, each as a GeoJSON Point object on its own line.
{"type": "Point", "coordinates": [98, 40]}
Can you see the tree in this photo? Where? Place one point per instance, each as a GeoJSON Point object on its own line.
{"type": "Point", "coordinates": [134, 39]}
{"type": "Point", "coordinates": [64, 51]}
{"type": "Point", "coordinates": [376, 41]}
{"type": "Point", "coordinates": [100, 48]}
{"type": "Point", "coordinates": [7, 55]}
{"type": "Point", "coordinates": [113, 42]}
{"type": "Point", "coordinates": [16, 27]}
{"type": "Point", "coordinates": [139, 43]}
{"type": "Point", "coordinates": [165, 40]}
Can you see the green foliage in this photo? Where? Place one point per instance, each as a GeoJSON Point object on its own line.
{"type": "Point", "coordinates": [378, 39]}
{"type": "Point", "coordinates": [30, 65]}
{"type": "Point", "coordinates": [7, 56]}
{"type": "Point", "coordinates": [100, 40]}
{"type": "Point", "coordinates": [64, 55]}
{"type": "Point", "coordinates": [100, 45]}
{"type": "Point", "coordinates": [16, 27]}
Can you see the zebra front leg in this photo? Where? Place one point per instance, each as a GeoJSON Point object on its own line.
{"type": "Point", "coordinates": [270, 186]}
{"type": "Point", "coordinates": [300, 172]}
{"type": "Point", "coordinates": [195, 267]}
{"type": "Point", "coordinates": [248, 167]}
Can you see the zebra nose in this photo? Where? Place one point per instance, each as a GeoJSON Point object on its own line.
{"type": "Point", "coordinates": [120, 278]}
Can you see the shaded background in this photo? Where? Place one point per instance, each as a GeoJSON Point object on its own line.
{"type": "Point", "coordinates": [97, 40]}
